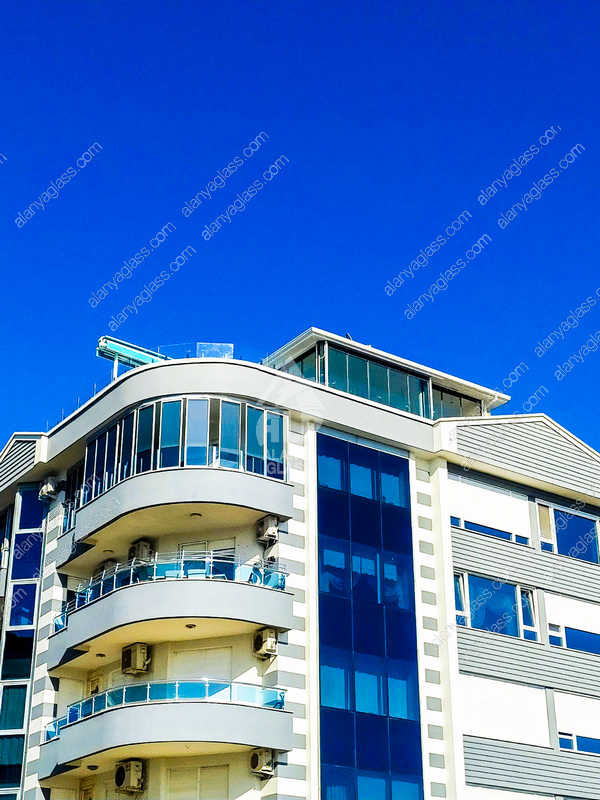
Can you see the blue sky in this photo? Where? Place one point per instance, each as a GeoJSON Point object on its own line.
{"type": "Point", "coordinates": [392, 117]}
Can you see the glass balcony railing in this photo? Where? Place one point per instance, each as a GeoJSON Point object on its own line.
{"type": "Point", "coordinates": [167, 692]}
{"type": "Point", "coordinates": [188, 566]}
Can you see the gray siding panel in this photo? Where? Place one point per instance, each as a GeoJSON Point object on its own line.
{"type": "Point", "coordinates": [496, 656]}
{"type": "Point", "coordinates": [525, 768]}
{"type": "Point", "coordinates": [515, 563]}
{"type": "Point", "coordinates": [534, 448]}
{"type": "Point", "coordinates": [19, 458]}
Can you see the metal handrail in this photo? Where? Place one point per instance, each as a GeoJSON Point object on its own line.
{"type": "Point", "coordinates": [192, 690]}
{"type": "Point", "coordinates": [191, 564]}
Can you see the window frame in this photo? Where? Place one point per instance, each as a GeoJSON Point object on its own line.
{"type": "Point", "coordinates": [553, 507]}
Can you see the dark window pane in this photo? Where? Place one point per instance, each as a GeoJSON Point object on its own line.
{"type": "Point", "coordinates": [398, 389]}
{"type": "Point", "coordinates": [255, 440]}
{"type": "Point", "coordinates": [335, 626]}
{"type": "Point", "coordinates": [372, 786]}
{"type": "Point", "coordinates": [338, 369]}
{"type": "Point", "coordinates": [336, 677]}
{"type": "Point", "coordinates": [275, 446]}
{"type": "Point", "coordinates": [18, 649]}
{"type": "Point", "coordinates": [582, 640]}
{"type": "Point", "coordinates": [143, 448]}
{"type": "Point", "coordinates": [90, 466]}
{"type": "Point", "coordinates": [334, 513]}
{"type": "Point", "coordinates": [111, 456]}
{"type": "Point", "coordinates": [437, 403]}
{"type": "Point", "coordinates": [22, 604]}
{"type": "Point", "coordinates": [396, 529]}
{"type": "Point", "coordinates": [378, 383]}
{"type": "Point", "coordinates": [32, 510]}
{"type": "Point", "coordinates": [576, 537]}
{"type": "Point", "coordinates": [126, 445]}
{"type": "Point", "coordinates": [588, 745]}
{"type": "Point", "coordinates": [368, 629]}
{"type": "Point", "coordinates": [405, 747]}
{"type": "Point", "coordinates": [337, 737]}
{"type": "Point", "coordinates": [372, 742]}
{"type": "Point", "coordinates": [370, 684]}
{"type": "Point", "coordinates": [394, 480]}
{"type": "Point", "coordinates": [27, 555]}
{"type": "Point", "coordinates": [334, 566]}
{"type": "Point", "coordinates": [363, 472]}
{"type": "Point", "coordinates": [98, 485]}
{"type": "Point", "coordinates": [474, 526]}
{"type": "Point", "coordinates": [366, 572]}
{"type": "Point", "coordinates": [308, 366]}
{"type": "Point", "coordinates": [493, 609]}
{"type": "Point", "coordinates": [403, 689]}
{"type": "Point", "coordinates": [337, 783]}
{"type": "Point", "coordinates": [365, 520]}
{"type": "Point", "coordinates": [401, 635]}
{"type": "Point", "coordinates": [398, 589]}
{"type": "Point", "coordinates": [357, 376]}
{"type": "Point", "coordinates": [11, 757]}
{"type": "Point", "coordinates": [170, 434]}
{"type": "Point", "coordinates": [230, 435]}
{"type": "Point", "coordinates": [333, 462]}
{"type": "Point", "coordinates": [12, 714]}
{"type": "Point", "coordinates": [197, 433]}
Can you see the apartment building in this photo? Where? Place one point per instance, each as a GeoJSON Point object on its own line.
{"type": "Point", "coordinates": [334, 575]}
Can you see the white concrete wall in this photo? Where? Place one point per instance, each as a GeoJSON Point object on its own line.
{"type": "Point", "coordinates": [573, 613]}
{"type": "Point", "coordinates": [577, 715]}
{"type": "Point", "coordinates": [497, 508]}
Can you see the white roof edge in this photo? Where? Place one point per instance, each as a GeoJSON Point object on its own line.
{"type": "Point", "coordinates": [312, 335]}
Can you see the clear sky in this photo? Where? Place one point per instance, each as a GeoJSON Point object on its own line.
{"type": "Point", "coordinates": [392, 118]}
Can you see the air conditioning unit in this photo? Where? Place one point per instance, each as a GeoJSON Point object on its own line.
{"type": "Point", "coordinates": [267, 531]}
{"type": "Point", "coordinates": [47, 490]}
{"type": "Point", "coordinates": [129, 776]}
{"type": "Point", "coordinates": [142, 550]}
{"type": "Point", "coordinates": [264, 643]}
{"type": "Point", "coordinates": [134, 659]}
{"type": "Point", "coordinates": [262, 762]}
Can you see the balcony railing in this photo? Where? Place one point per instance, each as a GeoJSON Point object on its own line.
{"type": "Point", "coordinates": [169, 692]}
{"type": "Point", "coordinates": [171, 566]}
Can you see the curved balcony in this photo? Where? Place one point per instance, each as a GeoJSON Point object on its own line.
{"type": "Point", "coordinates": [142, 599]}
{"type": "Point", "coordinates": [155, 719]}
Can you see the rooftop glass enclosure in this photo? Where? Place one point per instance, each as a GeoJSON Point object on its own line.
{"type": "Point", "coordinates": [365, 377]}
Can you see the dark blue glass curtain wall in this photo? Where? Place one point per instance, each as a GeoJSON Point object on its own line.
{"type": "Point", "coordinates": [370, 730]}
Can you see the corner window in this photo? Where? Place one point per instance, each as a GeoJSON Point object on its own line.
{"type": "Point", "coordinates": [494, 606]}
{"type": "Point", "coordinates": [568, 534]}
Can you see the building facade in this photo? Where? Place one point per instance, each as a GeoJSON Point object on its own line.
{"type": "Point", "coordinates": [334, 575]}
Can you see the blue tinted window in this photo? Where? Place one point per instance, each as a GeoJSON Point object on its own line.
{"type": "Point", "coordinates": [11, 757]}
{"type": "Point", "coordinates": [275, 446]}
{"type": "Point", "coordinates": [334, 566]}
{"type": "Point", "coordinates": [196, 451]}
{"type": "Point", "coordinates": [396, 529]}
{"type": "Point", "coordinates": [369, 684]}
{"type": "Point", "coordinates": [521, 540]}
{"type": "Point", "coordinates": [230, 435]}
{"type": "Point", "coordinates": [398, 589]}
{"type": "Point", "coordinates": [576, 537]}
{"type": "Point", "coordinates": [458, 593]}
{"type": "Point", "coordinates": [365, 520]}
{"type": "Point", "coordinates": [548, 547]}
{"type": "Point", "coordinates": [357, 376]}
{"type": "Point", "coordinates": [372, 751]}
{"type": "Point", "coordinates": [366, 573]}
{"type": "Point", "coordinates": [32, 510]}
{"type": "Point", "coordinates": [334, 513]}
{"type": "Point", "coordinates": [368, 629]}
{"type": "Point", "coordinates": [27, 554]}
{"type": "Point", "coordinates": [363, 472]}
{"type": "Point", "coordinates": [405, 747]}
{"type": "Point", "coordinates": [372, 786]}
{"type": "Point", "coordinates": [335, 622]}
{"type": "Point", "coordinates": [588, 745]}
{"type": "Point", "coordinates": [337, 369]}
{"type": "Point", "coordinates": [403, 689]}
{"type": "Point", "coordinates": [22, 604]}
{"type": "Point", "coordinates": [565, 743]}
{"type": "Point", "coordinates": [556, 640]}
{"type": "Point", "coordinates": [337, 783]}
{"type": "Point", "coordinates": [582, 640]}
{"type": "Point", "coordinates": [332, 462]}
{"type": "Point", "coordinates": [12, 714]}
{"type": "Point", "coordinates": [255, 440]}
{"type": "Point", "coordinates": [126, 446]}
{"type": "Point", "coordinates": [401, 635]}
{"type": "Point", "coordinates": [394, 480]}
{"type": "Point", "coordinates": [170, 434]}
{"type": "Point", "coordinates": [337, 737]}
{"type": "Point", "coordinates": [336, 678]}
{"type": "Point", "coordinates": [492, 609]}
{"type": "Point", "coordinates": [530, 635]}
{"type": "Point", "coordinates": [474, 526]}
{"type": "Point", "coordinates": [455, 521]}
{"type": "Point", "coordinates": [406, 789]}
{"type": "Point", "coordinates": [527, 607]}
{"type": "Point", "coordinates": [144, 439]}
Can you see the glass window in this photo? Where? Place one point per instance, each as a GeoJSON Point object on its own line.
{"type": "Point", "coordinates": [371, 786]}
{"type": "Point", "coordinates": [170, 434]}
{"type": "Point", "coordinates": [369, 684]}
{"type": "Point", "coordinates": [397, 580]}
{"type": "Point", "coordinates": [111, 457]}
{"type": "Point", "coordinates": [98, 485]}
{"type": "Point", "coordinates": [196, 453]}
{"type": "Point", "coordinates": [90, 466]}
{"type": "Point", "coordinates": [32, 510]}
{"type": "Point", "coordinates": [334, 566]}
{"type": "Point", "coordinates": [365, 520]}
{"type": "Point", "coordinates": [406, 789]}
{"type": "Point", "coordinates": [455, 521]}
{"type": "Point", "coordinates": [27, 555]}
{"type": "Point", "coordinates": [334, 513]}
{"type": "Point", "coordinates": [588, 745]}
{"type": "Point", "coordinates": [11, 758]}
{"type": "Point", "coordinates": [18, 650]}
{"type": "Point", "coordinates": [358, 383]}
{"type": "Point", "coordinates": [337, 737]}
{"type": "Point", "coordinates": [72, 496]}
{"type": "Point", "coordinates": [403, 689]}
{"type": "Point", "coordinates": [368, 629]}
{"type": "Point", "coordinates": [493, 609]}
{"type": "Point", "coordinates": [275, 446]}
{"type": "Point", "coordinates": [126, 446]}
{"type": "Point", "coordinates": [335, 622]}
{"type": "Point", "coordinates": [576, 537]}
{"type": "Point", "coordinates": [363, 472]}
{"type": "Point", "coordinates": [459, 599]}
{"type": "Point", "coordinates": [378, 383]}
{"type": "Point", "coordinates": [332, 462]}
{"type": "Point", "coordinates": [398, 389]}
{"type": "Point", "coordinates": [337, 783]}
{"type": "Point", "coordinates": [307, 365]}
{"type": "Point", "coordinates": [12, 713]}
{"type": "Point", "coordinates": [255, 440]}
{"type": "Point", "coordinates": [582, 640]}
{"type": "Point", "coordinates": [401, 635]}
{"type": "Point", "coordinates": [22, 604]}
{"type": "Point", "coordinates": [527, 608]}
{"type": "Point", "coordinates": [394, 480]}
{"type": "Point", "coordinates": [372, 749]}
{"type": "Point", "coordinates": [336, 678]}
{"type": "Point", "coordinates": [566, 741]}
{"type": "Point", "coordinates": [338, 369]}
{"type": "Point", "coordinates": [405, 747]}
{"type": "Point", "coordinates": [396, 529]}
{"type": "Point", "coordinates": [418, 392]}
{"type": "Point", "coordinates": [366, 585]}
{"type": "Point", "coordinates": [474, 526]}
{"type": "Point", "coordinates": [143, 449]}
{"type": "Point", "coordinates": [470, 408]}
{"type": "Point", "coordinates": [545, 527]}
